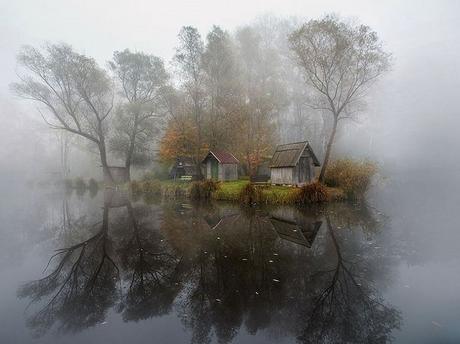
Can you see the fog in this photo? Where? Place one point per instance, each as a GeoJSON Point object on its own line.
{"type": "Point", "coordinates": [411, 119]}
{"type": "Point", "coordinates": [409, 127]}
{"type": "Point", "coordinates": [414, 106]}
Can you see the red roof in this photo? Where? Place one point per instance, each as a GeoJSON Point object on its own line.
{"type": "Point", "coordinates": [223, 157]}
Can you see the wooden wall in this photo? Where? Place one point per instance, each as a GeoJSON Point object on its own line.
{"type": "Point", "coordinates": [228, 172]}
{"type": "Point", "coordinates": [290, 175]}
{"type": "Point", "coordinates": [282, 175]}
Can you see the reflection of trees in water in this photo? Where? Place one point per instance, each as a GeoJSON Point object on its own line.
{"type": "Point", "coordinates": [151, 271]}
{"type": "Point", "coordinates": [249, 276]}
{"type": "Point", "coordinates": [224, 267]}
{"type": "Point", "coordinates": [80, 288]}
{"type": "Point", "coordinates": [345, 308]}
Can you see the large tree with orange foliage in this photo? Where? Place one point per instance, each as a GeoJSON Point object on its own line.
{"type": "Point", "coordinates": [180, 139]}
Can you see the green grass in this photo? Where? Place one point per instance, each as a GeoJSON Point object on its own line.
{"type": "Point", "coordinates": [228, 191]}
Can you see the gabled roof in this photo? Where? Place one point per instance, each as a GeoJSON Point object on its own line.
{"type": "Point", "coordinates": [289, 230]}
{"type": "Point", "coordinates": [288, 155]}
{"type": "Point", "coordinates": [222, 156]}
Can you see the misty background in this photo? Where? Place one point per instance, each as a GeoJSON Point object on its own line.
{"type": "Point", "coordinates": [410, 123]}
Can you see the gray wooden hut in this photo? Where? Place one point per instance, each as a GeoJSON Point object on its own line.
{"type": "Point", "coordinates": [293, 164]}
{"type": "Point", "coordinates": [221, 165]}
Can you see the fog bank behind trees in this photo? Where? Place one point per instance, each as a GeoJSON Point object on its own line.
{"type": "Point", "coordinates": [411, 116]}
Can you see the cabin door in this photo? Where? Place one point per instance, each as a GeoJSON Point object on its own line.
{"type": "Point", "coordinates": [214, 169]}
{"type": "Point", "coordinates": [304, 171]}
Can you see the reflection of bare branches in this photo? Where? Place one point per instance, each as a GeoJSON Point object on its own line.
{"type": "Point", "coordinates": [153, 282]}
{"type": "Point", "coordinates": [346, 309]}
{"type": "Point", "coordinates": [80, 288]}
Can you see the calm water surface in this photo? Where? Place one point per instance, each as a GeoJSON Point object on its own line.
{"type": "Point", "coordinates": [105, 268]}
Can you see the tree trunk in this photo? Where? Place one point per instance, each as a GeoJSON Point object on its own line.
{"type": "Point", "coordinates": [328, 151]}
{"type": "Point", "coordinates": [132, 142]}
{"type": "Point", "coordinates": [105, 167]}
{"type": "Point", "coordinates": [129, 157]}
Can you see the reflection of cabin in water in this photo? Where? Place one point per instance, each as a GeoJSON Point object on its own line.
{"type": "Point", "coordinates": [221, 216]}
{"type": "Point", "coordinates": [183, 167]}
{"type": "Point", "coordinates": [293, 164]}
{"type": "Point", "coordinates": [289, 230]}
{"type": "Point", "coordinates": [221, 165]}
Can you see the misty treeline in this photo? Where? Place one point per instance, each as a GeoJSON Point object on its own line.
{"type": "Point", "coordinates": [273, 81]}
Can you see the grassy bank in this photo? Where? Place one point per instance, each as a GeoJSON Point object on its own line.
{"type": "Point", "coordinates": [241, 191]}
{"type": "Point", "coordinates": [346, 179]}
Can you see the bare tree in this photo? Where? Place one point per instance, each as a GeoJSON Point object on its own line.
{"type": "Point", "coordinates": [340, 61]}
{"type": "Point", "coordinates": [263, 96]}
{"type": "Point", "coordinates": [222, 87]}
{"type": "Point", "coordinates": [74, 91]}
{"type": "Point", "coordinates": [142, 79]}
{"type": "Point", "coordinates": [189, 57]}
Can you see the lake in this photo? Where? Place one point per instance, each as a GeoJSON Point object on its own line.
{"type": "Point", "coordinates": [107, 268]}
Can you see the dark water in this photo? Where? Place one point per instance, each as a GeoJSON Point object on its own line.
{"type": "Point", "coordinates": [108, 269]}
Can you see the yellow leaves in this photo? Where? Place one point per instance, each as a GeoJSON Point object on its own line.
{"type": "Point", "coordinates": [353, 176]}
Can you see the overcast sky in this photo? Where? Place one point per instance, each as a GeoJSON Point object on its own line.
{"type": "Point", "coordinates": [98, 27]}
{"type": "Point", "coordinates": [417, 101]}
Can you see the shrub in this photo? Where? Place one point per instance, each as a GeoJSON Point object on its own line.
{"type": "Point", "coordinates": [174, 190]}
{"type": "Point", "coordinates": [136, 187]}
{"type": "Point", "coordinates": [353, 177]}
{"type": "Point", "coordinates": [79, 184]}
{"type": "Point", "coordinates": [203, 189]}
{"type": "Point", "coordinates": [152, 187]}
{"type": "Point", "coordinates": [311, 193]}
{"type": "Point", "coordinates": [250, 194]}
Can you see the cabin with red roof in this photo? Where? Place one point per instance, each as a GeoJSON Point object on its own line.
{"type": "Point", "coordinates": [220, 165]}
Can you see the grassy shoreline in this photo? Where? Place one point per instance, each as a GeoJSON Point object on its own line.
{"type": "Point", "coordinates": [233, 191]}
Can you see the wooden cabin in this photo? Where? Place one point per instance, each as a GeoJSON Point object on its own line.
{"type": "Point", "coordinates": [293, 164]}
{"type": "Point", "coordinates": [220, 165]}
{"type": "Point", "coordinates": [183, 168]}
